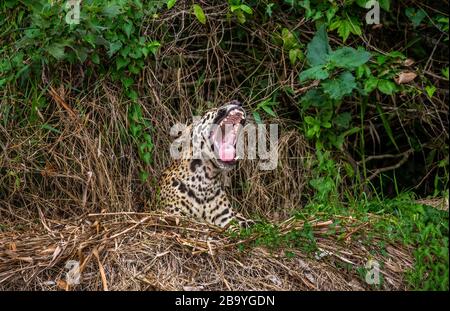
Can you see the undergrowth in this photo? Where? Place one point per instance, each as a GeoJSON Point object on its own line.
{"type": "Point", "coordinates": [389, 221]}
{"type": "Point", "coordinates": [370, 100]}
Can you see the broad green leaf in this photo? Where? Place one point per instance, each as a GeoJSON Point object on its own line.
{"type": "Point", "coordinates": [143, 176]}
{"type": "Point", "coordinates": [133, 95]}
{"type": "Point", "coordinates": [240, 16]}
{"type": "Point", "coordinates": [246, 9]}
{"type": "Point", "coordinates": [430, 89]}
{"type": "Point", "coordinates": [381, 59]}
{"type": "Point", "coordinates": [331, 12]}
{"type": "Point", "coordinates": [127, 82]}
{"type": "Point", "coordinates": [310, 120]}
{"type": "Point", "coordinates": [3, 82]}
{"type": "Point", "coordinates": [111, 10]}
{"type": "Point", "coordinates": [289, 40]}
{"type": "Point", "coordinates": [171, 3]}
{"type": "Point", "coordinates": [326, 125]}
{"type": "Point", "coordinates": [415, 16]}
{"type": "Point", "coordinates": [294, 55]}
{"type": "Point", "coordinates": [147, 158]}
{"type": "Point", "coordinates": [337, 88]}
{"type": "Point", "coordinates": [90, 38]}
{"type": "Point", "coordinates": [127, 28]}
{"type": "Point", "coordinates": [319, 48]}
{"type": "Point", "coordinates": [121, 62]}
{"type": "Point", "coordinates": [385, 5]}
{"type": "Point", "coordinates": [370, 84]}
{"type": "Point", "coordinates": [153, 46]}
{"type": "Point", "coordinates": [359, 72]}
{"type": "Point", "coordinates": [315, 98]}
{"type": "Point", "coordinates": [114, 47]}
{"type": "Point", "coordinates": [345, 27]}
{"type": "Point", "coordinates": [314, 73]}
{"type": "Point", "coordinates": [387, 87]}
{"type": "Point", "coordinates": [349, 58]}
{"type": "Point", "coordinates": [234, 7]}
{"type": "Point", "coordinates": [343, 119]}
{"type": "Point", "coordinates": [56, 50]}
{"type": "Point", "coordinates": [198, 12]}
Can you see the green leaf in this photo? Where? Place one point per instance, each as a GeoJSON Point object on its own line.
{"type": "Point", "coordinates": [343, 119]}
{"type": "Point", "coordinates": [310, 120]}
{"type": "Point", "coordinates": [430, 89]}
{"type": "Point", "coordinates": [121, 62]}
{"type": "Point", "coordinates": [343, 85]}
{"type": "Point", "coordinates": [111, 10]}
{"type": "Point", "coordinates": [246, 9]}
{"type": "Point", "coordinates": [56, 50]}
{"type": "Point", "coordinates": [289, 40]}
{"type": "Point", "coordinates": [385, 4]}
{"type": "Point", "coordinates": [133, 95]}
{"type": "Point", "coordinates": [143, 176]}
{"type": "Point", "coordinates": [349, 58]}
{"type": "Point", "coordinates": [171, 3]}
{"type": "Point", "coordinates": [147, 158]}
{"type": "Point", "coordinates": [127, 81]}
{"type": "Point", "coordinates": [387, 87]}
{"type": "Point", "coordinates": [114, 47]}
{"type": "Point", "coordinates": [359, 72]}
{"type": "Point", "coordinates": [234, 7]}
{"type": "Point", "coordinates": [257, 117]}
{"type": "Point", "coordinates": [50, 128]}
{"type": "Point", "coordinates": [415, 16]}
{"type": "Point", "coordinates": [445, 72]}
{"type": "Point", "coordinates": [266, 106]}
{"type": "Point", "coordinates": [127, 28]}
{"type": "Point", "coordinates": [319, 48]}
{"type": "Point", "coordinates": [240, 16]}
{"type": "Point", "coordinates": [294, 55]}
{"type": "Point", "coordinates": [133, 69]}
{"type": "Point", "coordinates": [315, 98]}
{"type": "Point", "coordinates": [314, 73]}
{"type": "Point", "coordinates": [198, 12]}
{"type": "Point", "coordinates": [345, 27]}
{"type": "Point", "coordinates": [370, 84]}
{"type": "Point", "coordinates": [331, 12]}
{"type": "Point", "coordinates": [153, 46]}
{"type": "Point", "coordinates": [269, 9]}
{"type": "Point", "coordinates": [269, 111]}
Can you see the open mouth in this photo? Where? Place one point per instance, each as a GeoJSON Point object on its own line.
{"type": "Point", "coordinates": [225, 133]}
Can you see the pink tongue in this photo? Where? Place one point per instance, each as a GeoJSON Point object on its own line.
{"type": "Point", "coordinates": [227, 152]}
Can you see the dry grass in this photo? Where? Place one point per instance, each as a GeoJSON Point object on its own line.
{"type": "Point", "coordinates": [150, 251]}
{"type": "Point", "coordinates": [74, 193]}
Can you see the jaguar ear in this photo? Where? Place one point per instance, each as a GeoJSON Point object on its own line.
{"type": "Point", "coordinates": [180, 129]}
{"type": "Point", "coordinates": [185, 134]}
{"type": "Point", "coordinates": [181, 146]}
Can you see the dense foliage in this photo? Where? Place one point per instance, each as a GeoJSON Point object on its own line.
{"type": "Point", "coordinates": [370, 99]}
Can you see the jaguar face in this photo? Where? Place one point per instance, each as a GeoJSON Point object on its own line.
{"type": "Point", "coordinates": [219, 130]}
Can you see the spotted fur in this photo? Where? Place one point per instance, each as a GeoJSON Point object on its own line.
{"type": "Point", "coordinates": [194, 187]}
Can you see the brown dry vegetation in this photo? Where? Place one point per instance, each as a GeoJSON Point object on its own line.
{"type": "Point", "coordinates": [76, 193]}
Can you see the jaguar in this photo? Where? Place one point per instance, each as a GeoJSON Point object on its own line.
{"type": "Point", "coordinates": [193, 185]}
